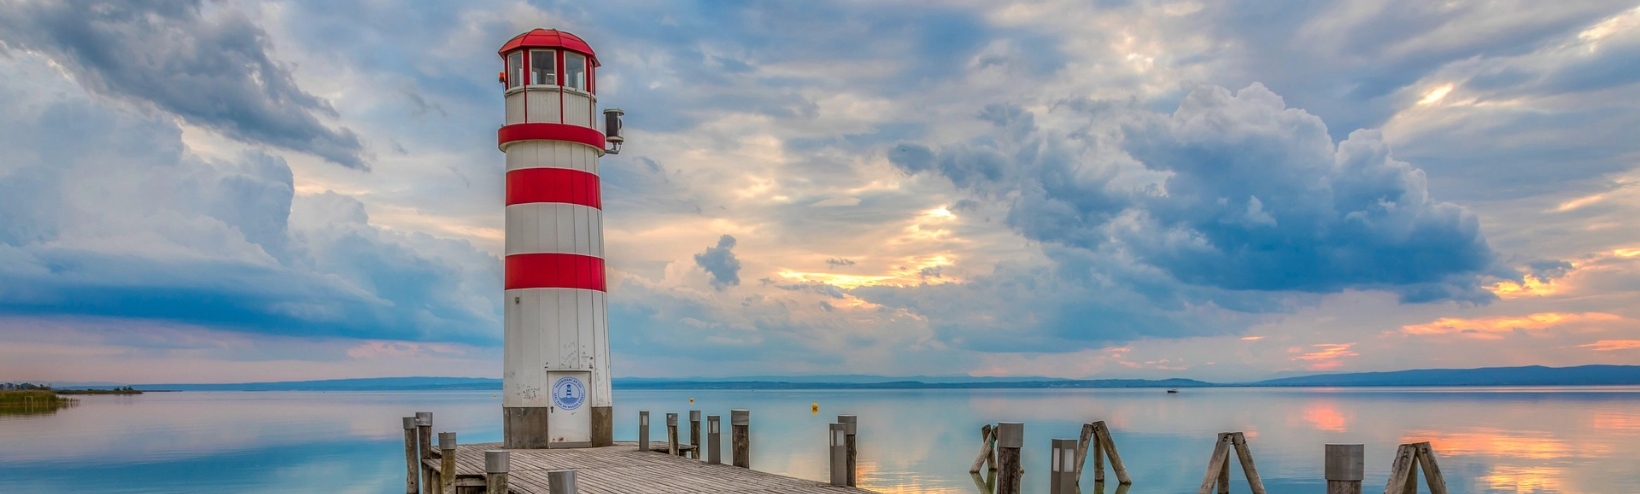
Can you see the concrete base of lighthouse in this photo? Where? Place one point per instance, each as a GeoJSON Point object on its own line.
{"type": "Point", "coordinates": [603, 426]}
{"type": "Point", "coordinates": [529, 428]}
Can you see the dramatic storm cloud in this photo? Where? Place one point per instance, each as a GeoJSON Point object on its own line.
{"type": "Point", "coordinates": [209, 66]}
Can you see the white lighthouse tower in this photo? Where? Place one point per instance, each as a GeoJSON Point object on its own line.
{"type": "Point", "coordinates": [556, 376]}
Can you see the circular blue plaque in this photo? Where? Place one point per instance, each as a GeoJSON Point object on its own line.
{"type": "Point", "coordinates": [568, 393]}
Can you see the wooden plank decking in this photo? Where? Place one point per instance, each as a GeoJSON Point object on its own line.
{"type": "Point", "coordinates": [623, 469]}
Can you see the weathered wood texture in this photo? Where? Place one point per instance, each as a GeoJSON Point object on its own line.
{"type": "Point", "coordinates": [1403, 476]}
{"type": "Point", "coordinates": [987, 449]}
{"type": "Point", "coordinates": [1009, 471]}
{"type": "Point", "coordinates": [1218, 467]}
{"type": "Point", "coordinates": [623, 469]}
{"type": "Point", "coordinates": [411, 463]}
{"type": "Point", "coordinates": [603, 426]}
{"type": "Point", "coordinates": [741, 442]}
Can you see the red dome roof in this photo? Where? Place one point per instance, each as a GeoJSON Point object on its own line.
{"type": "Point", "coordinates": [549, 38]}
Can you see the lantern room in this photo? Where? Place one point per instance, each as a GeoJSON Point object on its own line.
{"type": "Point", "coordinates": [551, 77]}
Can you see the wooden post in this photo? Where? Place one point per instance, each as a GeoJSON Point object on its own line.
{"type": "Point", "coordinates": [714, 440]}
{"type": "Point", "coordinates": [447, 463]}
{"type": "Point", "coordinates": [1345, 466]}
{"type": "Point", "coordinates": [694, 434]}
{"type": "Point", "coordinates": [1010, 438]}
{"type": "Point", "coordinates": [837, 453]}
{"type": "Point", "coordinates": [495, 471]}
{"type": "Point", "coordinates": [561, 482]}
{"type": "Point", "coordinates": [1248, 469]}
{"type": "Point", "coordinates": [741, 441]}
{"type": "Point", "coordinates": [643, 431]}
{"type": "Point", "coordinates": [1216, 464]}
{"type": "Point", "coordinates": [1218, 467]}
{"type": "Point", "coordinates": [1083, 441]}
{"type": "Point", "coordinates": [424, 448]}
{"type": "Point", "coordinates": [672, 434]}
{"type": "Point", "coordinates": [411, 463]}
{"type": "Point", "coordinates": [850, 428]}
{"type": "Point", "coordinates": [1403, 477]}
{"type": "Point", "coordinates": [987, 436]}
{"type": "Point", "coordinates": [1062, 469]}
{"type": "Point", "coordinates": [1102, 437]}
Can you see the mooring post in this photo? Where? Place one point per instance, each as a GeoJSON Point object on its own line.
{"type": "Point", "coordinates": [851, 425]}
{"type": "Point", "coordinates": [447, 463]}
{"type": "Point", "coordinates": [741, 440]}
{"type": "Point", "coordinates": [1010, 437]}
{"type": "Point", "coordinates": [714, 441]}
{"type": "Point", "coordinates": [1062, 467]}
{"type": "Point", "coordinates": [672, 434]}
{"type": "Point", "coordinates": [495, 471]}
{"type": "Point", "coordinates": [838, 454]}
{"type": "Point", "coordinates": [694, 434]}
{"type": "Point", "coordinates": [424, 448]}
{"type": "Point", "coordinates": [411, 464]}
{"type": "Point", "coordinates": [643, 430]}
{"type": "Point", "coordinates": [561, 482]}
{"type": "Point", "coordinates": [1345, 468]}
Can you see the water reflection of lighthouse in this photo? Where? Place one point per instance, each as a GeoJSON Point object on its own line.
{"type": "Point", "coordinates": [556, 363]}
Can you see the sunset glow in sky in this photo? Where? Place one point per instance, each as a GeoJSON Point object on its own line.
{"type": "Point", "coordinates": [254, 191]}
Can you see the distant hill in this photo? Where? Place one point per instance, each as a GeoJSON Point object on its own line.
{"type": "Point", "coordinates": [368, 384]}
{"type": "Point", "coordinates": [637, 383]}
{"type": "Point", "coordinates": [1588, 375]}
{"type": "Point", "coordinates": [1536, 375]}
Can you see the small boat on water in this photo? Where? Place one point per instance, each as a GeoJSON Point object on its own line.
{"type": "Point", "coordinates": [1172, 391]}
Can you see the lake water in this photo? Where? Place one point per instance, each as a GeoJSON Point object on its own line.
{"type": "Point", "coordinates": [1516, 440]}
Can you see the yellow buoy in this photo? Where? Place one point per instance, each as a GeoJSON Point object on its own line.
{"type": "Point", "coordinates": [814, 408]}
{"type": "Point", "coordinates": [691, 401]}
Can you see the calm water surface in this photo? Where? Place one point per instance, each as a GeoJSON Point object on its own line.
{"type": "Point", "coordinates": [1516, 440]}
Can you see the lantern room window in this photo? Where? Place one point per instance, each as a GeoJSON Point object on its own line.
{"type": "Point", "coordinates": [543, 67]}
{"type": "Point", "coordinates": [575, 71]}
{"type": "Point", "coordinates": [515, 69]}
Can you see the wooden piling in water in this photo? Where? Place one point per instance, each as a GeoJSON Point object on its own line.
{"type": "Point", "coordinates": [424, 448]}
{"type": "Point", "coordinates": [1403, 477]}
{"type": "Point", "coordinates": [412, 462]}
{"type": "Point", "coordinates": [1218, 467]}
{"type": "Point", "coordinates": [447, 463]}
{"type": "Point", "coordinates": [1345, 466]}
{"type": "Point", "coordinates": [495, 471]}
{"type": "Point", "coordinates": [694, 434]}
{"type": "Point", "coordinates": [1010, 438]}
{"type": "Point", "coordinates": [987, 449]}
{"type": "Point", "coordinates": [643, 430]}
{"type": "Point", "coordinates": [741, 441]}
{"type": "Point", "coordinates": [672, 434]}
{"type": "Point", "coordinates": [851, 426]}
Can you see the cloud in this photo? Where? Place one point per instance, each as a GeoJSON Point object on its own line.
{"type": "Point", "coordinates": [209, 66]}
{"type": "Point", "coordinates": [1488, 327]}
{"type": "Point", "coordinates": [1232, 190]}
{"type": "Point", "coordinates": [109, 214]}
{"type": "Point", "coordinates": [1612, 345]}
{"type": "Point", "coordinates": [720, 263]}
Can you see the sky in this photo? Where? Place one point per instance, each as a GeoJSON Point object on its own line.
{"type": "Point", "coordinates": [231, 191]}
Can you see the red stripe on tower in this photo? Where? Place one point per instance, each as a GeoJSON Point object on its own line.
{"type": "Point", "coordinates": [550, 132]}
{"type": "Point", "coordinates": [554, 270]}
{"type": "Point", "coordinates": [527, 185]}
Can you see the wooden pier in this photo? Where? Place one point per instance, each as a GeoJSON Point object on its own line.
{"type": "Point", "coordinates": [619, 469]}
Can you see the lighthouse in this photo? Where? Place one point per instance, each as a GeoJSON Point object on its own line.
{"type": "Point", "coordinates": [556, 360]}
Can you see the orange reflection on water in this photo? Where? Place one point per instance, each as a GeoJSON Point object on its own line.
{"type": "Point", "coordinates": [1512, 478]}
{"type": "Point", "coordinates": [1532, 445]}
{"type": "Point", "coordinates": [1611, 420]}
{"type": "Point", "coordinates": [1326, 416]}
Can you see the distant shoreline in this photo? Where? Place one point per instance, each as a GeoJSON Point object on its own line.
{"type": "Point", "coordinates": [1533, 376]}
